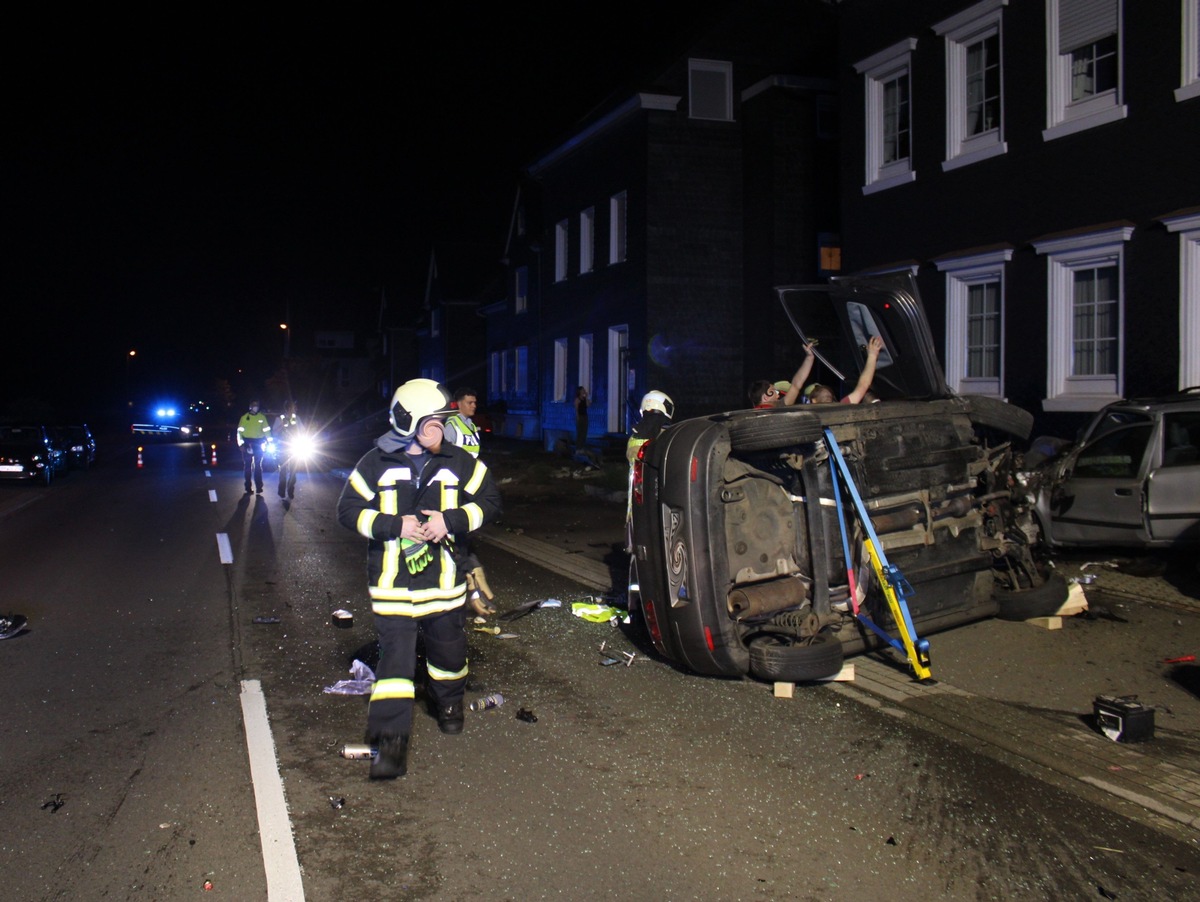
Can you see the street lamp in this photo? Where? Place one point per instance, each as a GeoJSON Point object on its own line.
{"type": "Point", "coordinates": [128, 360]}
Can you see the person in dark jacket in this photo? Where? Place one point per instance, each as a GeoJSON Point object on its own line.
{"type": "Point", "coordinates": [414, 497]}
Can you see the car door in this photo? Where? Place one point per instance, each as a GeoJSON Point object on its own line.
{"type": "Point", "coordinates": [1173, 488]}
{"type": "Point", "coordinates": [1101, 499]}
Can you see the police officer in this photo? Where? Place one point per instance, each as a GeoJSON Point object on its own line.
{"type": "Point", "coordinates": [413, 496]}
{"type": "Point", "coordinates": [252, 433]}
{"type": "Point", "coordinates": [461, 430]}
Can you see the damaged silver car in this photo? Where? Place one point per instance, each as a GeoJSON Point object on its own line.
{"type": "Point", "coordinates": [1131, 481]}
{"type": "Point", "coordinates": [746, 557]}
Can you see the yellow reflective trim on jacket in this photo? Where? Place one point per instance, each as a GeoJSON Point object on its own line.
{"type": "Point", "coordinates": [366, 519]}
{"type": "Point", "coordinates": [361, 487]}
{"type": "Point", "coordinates": [474, 515]}
{"type": "Point", "coordinates": [392, 688]}
{"type": "Point", "coordinates": [476, 479]}
{"type": "Point", "coordinates": [381, 604]}
{"type": "Point", "coordinates": [437, 674]}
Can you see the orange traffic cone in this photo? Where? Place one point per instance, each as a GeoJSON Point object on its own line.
{"type": "Point", "coordinates": [139, 457]}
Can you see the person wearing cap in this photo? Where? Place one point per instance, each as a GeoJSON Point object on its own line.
{"type": "Point", "coordinates": [413, 496]}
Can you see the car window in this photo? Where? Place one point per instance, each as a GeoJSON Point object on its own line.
{"type": "Point", "coordinates": [1181, 436]}
{"type": "Point", "coordinates": [1115, 419]}
{"type": "Point", "coordinates": [864, 326]}
{"type": "Point", "coordinates": [1116, 455]}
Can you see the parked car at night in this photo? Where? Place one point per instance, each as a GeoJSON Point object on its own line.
{"type": "Point", "coordinates": [737, 562]}
{"type": "Point", "coordinates": [79, 445]}
{"type": "Point", "coordinates": [30, 453]}
{"type": "Point", "coordinates": [1132, 480]}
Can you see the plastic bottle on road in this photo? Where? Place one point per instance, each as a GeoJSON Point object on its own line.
{"type": "Point", "coordinates": [493, 700]}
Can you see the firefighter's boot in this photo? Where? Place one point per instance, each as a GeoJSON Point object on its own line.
{"type": "Point", "coordinates": [391, 760]}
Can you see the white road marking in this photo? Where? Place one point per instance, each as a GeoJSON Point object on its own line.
{"type": "Point", "coordinates": [224, 548]}
{"type": "Point", "coordinates": [212, 495]}
{"type": "Point", "coordinates": [274, 826]}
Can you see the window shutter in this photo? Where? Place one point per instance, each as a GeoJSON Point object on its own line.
{"type": "Point", "coordinates": [1083, 22]}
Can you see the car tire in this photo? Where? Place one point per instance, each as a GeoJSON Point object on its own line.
{"type": "Point", "coordinates": [997, 414]}
{"type": "Point", "coordinates": [770, 430]}
{"type": "Point", "coordinates": [1040, 601]}
{"type": "Point", "coordinates": [775, 657]}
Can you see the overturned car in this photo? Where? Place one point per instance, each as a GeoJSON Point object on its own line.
{"type": "Point", "coordinates": [739, 540]}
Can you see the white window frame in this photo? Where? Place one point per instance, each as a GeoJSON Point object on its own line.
{"type": "Point", "coordinates": [618, 206]}
{"type": "Point", "coordinates": [587, 240]}
{"type": "Point", "coordinates": [1063, 117]}
{"type": "Point", "coordinates": [521, 289]}
{"type": "Point", "coordinates": [878, 71]}
{"type": "Point", "coordinates": [560, 250]}
{"type": "Point", "coordinates": [698, 68]}
{"type": "Point", "coordinates": [1065, 392]}
{"type": "Point", "coordinates": [1189, 54]}
{"type": "Point", "coordinates": [504, 371]}
{"type": "Point", "coordinates": [560, 369]}
{"type": "Point", "coordinates": [961, 274]}
{"type": "Point", "coordinates": [979, 22]}
{"type": "Point", "coordinates": [585, 362]}
{"type": "Point", "coordinates": [1188, 229]}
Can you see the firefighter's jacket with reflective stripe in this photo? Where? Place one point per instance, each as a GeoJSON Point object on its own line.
{"type": "Point", "coordinates": [410, 578]}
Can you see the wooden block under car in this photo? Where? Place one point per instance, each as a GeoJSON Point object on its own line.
{"type": "Point", "coordinates": [1076, 602]}
{"type": "Point", "coordinates": [845, 675]}
{"type": "Point", "coordinates": [1046, 623]}
{"type": "Point", "coordinates": [784, 690]}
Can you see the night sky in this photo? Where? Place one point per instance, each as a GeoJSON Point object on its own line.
{"type": "Point", "coordinates": [177, 182]}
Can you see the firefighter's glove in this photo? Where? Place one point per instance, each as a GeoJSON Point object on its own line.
{"type": "Point", "coordinates": [417, 555]}
{"type": "Point", "coordinates": [479, 593]}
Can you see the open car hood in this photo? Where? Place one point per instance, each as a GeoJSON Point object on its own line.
{"type": "Point", "coordinates": [843, 315]}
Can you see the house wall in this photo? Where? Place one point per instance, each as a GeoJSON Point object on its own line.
{"type": "Point", "coordinates": [1132, 171]}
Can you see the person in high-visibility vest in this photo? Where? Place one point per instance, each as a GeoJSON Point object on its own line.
{"type": "Point", "coordinates": [461, 430]}
{"type": "Point", "coordinates": [252, 431]}
{"type": "Point", "coordinates": [414, 496]}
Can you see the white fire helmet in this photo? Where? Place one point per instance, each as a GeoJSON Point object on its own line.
{"type": "Point", "coordinates": [657, 400]}
{"type": "Point", "coordinates": [415, 400]}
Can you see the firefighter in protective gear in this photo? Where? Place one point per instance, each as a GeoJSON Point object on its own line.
{"type": "Point", "coordinates": [657, 409]}
{"type": "Point", "coordinates": [462, 431]}
{"type": "Point", "coordinates": [414, 496]}
{"type": "Point", "coordinates": [252, 432]}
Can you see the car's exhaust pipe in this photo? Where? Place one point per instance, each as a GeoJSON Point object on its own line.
{"type": "Point", "coordinates": [760, 599]}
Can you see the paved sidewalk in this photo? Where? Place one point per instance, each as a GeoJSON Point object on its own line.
{"type": "Point", "coordinates": [1156, 776]}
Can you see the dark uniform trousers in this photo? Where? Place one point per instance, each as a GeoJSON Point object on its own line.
{"type": "Point", "coordinates": [445, 638]}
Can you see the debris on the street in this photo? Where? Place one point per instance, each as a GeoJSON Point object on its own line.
{"type": "Point", "coordinates": [524, 714]}
{"type": "Point", "coordinates": [595, 613]}
{"type": "Point", "coordinates": [489, 701]}
{"type": "Point", "coordinates": [1123, 718]}
{"type": "Point", "coordinates": [507, 636]}
{"type": "Point", "coordinates": [1185, 659]}
{"type": "Point", "coordinates": [208, 885]}
{"type": "Point", "coordinates": [12, 624]}
{"type": "Point", "coordinates": [336, 802]}
{"type": "Point", "coordinates": [266, 620]}
{"type": "Point", "coordinates": [357, 751]}
{"type": "Point", "coordinates": [343, 619]}
{"type": "Point", "coordinates": [55, 802]}
{"type": "Point", "coordinates": [529, 606]}
{"type": "Point", "coordinates": [490, 630]}
{"type": "Point", "coordinates": [610, 657]}
{"type": "Point", "coordinates": [360, 683]}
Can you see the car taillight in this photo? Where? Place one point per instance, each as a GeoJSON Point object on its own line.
{"type": "Point", "coordinates": [648, 612]}
{"type": "Point", "coordinates": [635, 487]}
{"type": "Point", "coordinates": [695, 468]}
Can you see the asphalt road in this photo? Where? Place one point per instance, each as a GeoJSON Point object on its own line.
{"type": "Point", "coordinates": [128, 707]}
